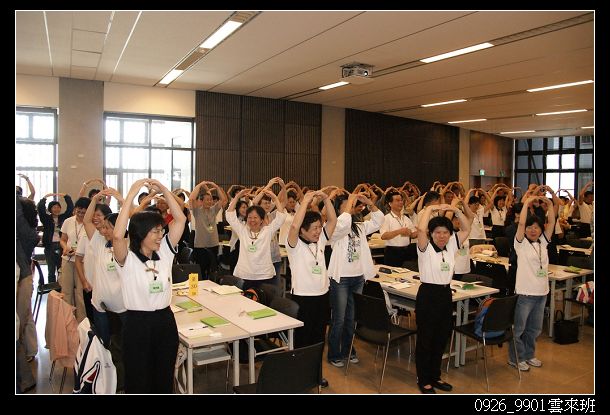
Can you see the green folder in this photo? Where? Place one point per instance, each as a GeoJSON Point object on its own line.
{"type": "Point", "coordinates": [214, 321]}
{"type": "Point", "coordinates": [573, 269]}
{"type": "Point", "coordinates": [189, 305]}
{"type": "Point", "coordinates": [263, 312]}
{"type": "Point", "coordinates": [468, 286]}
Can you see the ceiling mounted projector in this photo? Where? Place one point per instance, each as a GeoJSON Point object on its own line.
{"type": "Point", "coordinates": [357, 73]}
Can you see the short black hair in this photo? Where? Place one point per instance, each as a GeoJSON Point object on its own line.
{"type": "Point", "coordinates": [431, 196]}
{"type": "Point", "coordinates": [93, 192]}
{"type": "Point", "coordinates": [82, 203]}
{"type": "Point", "coordinates": [390, 196]}
{"type": "Point", "coordinates": [139, 225]}
{"type": "Point", "coordinates": [18, 190]}
{"type": "Point", "coordinates": [531, 219]}
{"type": "Point", "coordinates": [105, 209]}
{"type": "Point", "coordinates": [310, 217]}
{"type": "Point", "coordinates": [474, 199]}
{"type": "Point", "coordinates": [440, 221]}
{"type": "Point", "coordinates": [142, 196]}
{"type": "Point", "coordinates": [51, 204]}
{"type": "Point", "coordinates": [30, 213]}
{"type": "Point", "coordinates": [258, 209]}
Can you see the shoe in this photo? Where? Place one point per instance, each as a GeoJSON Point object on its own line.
{"type": "Point", "coordinates": [424, 390]}
{"type": "Point", "coordinates": [324, 383]}
{"type": "Point", "coordinates": [534, 362]}
{"type": "Point", "coordinates": [524, 367]}
{"type": "Point", "coordinates": [444, 386]}
{"type": "Point", "coordinates": [354, 359]}
{"type": "Point", "coordinates": [336, 363]}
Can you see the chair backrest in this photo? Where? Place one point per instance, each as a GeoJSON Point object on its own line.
{"type": "Point", "coordinates": [579, 243]}
{"type": "Point", "coordinates": [180, 272]}
{"type": "Point", "coordinates": [291, 371]}
{"type": "Point", "coordinates": [481, 247]}
{"type": "Point", "coordinates": [564, 254]}
{"type": "Point", "coordinates": [411, 265]}
{"type": "Point", "coordinates": [285, 306]}
{"type": "Point", "coordinates": [271, 291]}
{"type": "Point", "coordinates": [580, 262]}
{"type": "Point", "coordinates": [184, 255]}
{"type": "Point", "coordinates": [501, 314]}
{"type": "Point", "coordinates": [36, 266]}
{"type": "Point", "coordinates": [497, 272]}
{"type": "Point", "coordinates": [372, 289]}
{"type": "Point", "coordinates": [231, 280]}
{"type": "Point", "coordinates": [485, 280]}
{"type": "Point", "coordinates": [372, 313]}
{"type": "Point", "coordinates": [502, 245]}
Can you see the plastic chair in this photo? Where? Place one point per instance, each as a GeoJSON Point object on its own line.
{"type": "Point", "coordinates": [502, 245]}
{"type": "Point", "coordinates": [42, 289]}
{"type": "Point", "coordinates": [290, 371]}
{"type": "Point", "coordinates": [500, 316]}
{"type": "Point", "coordinates": [497, 272]}
{"type": "Point", "coordinates": [373, 325]}
{"type": "Point", "coordinates": [231, 280]}
{"type": "Point", "coordinates": [180, 272]}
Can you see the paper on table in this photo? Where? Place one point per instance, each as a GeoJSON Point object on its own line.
{"type": "Point", "coordinates": [226, 289]}
{"type": "Point", "coordinates": [195, 330]}
{"type": "Point", "coordinates": [180, 285]}
{"type": "Point", "coordinates": [175, 309]}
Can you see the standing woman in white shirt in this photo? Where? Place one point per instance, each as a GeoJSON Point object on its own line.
{"type": "Point", "coordinates": [254, 264]}
{"type": "Point", "coordinates": [350, 265]}
{"type": "Point", "coordinates": [436, 251]}
{"type": "Point", "coordinates": [532, 284]}
{"type": "Point", "coordinates": [150, 334]}
{"type": "Point", "coordinates": [397, 231]}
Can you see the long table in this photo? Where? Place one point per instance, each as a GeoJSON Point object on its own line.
{"type": "Point", "coordinates": [460, 297]}
{"type": "Point", "coordinates": [556, 273]}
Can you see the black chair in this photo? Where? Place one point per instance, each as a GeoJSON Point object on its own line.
{"type": "Point", "coordinates": [580, 262]}
{"type": "Point", "coordinates": [373, 325]}
{"type": "Point", "coordinates": [231, 280]}
{"type": "Point", "coordinates": [290, 371]}
{"type": "Point", "coordinates": [497, 272]}
{"type": "Point", "coordinates": [564, 254]}
{"type": "Point", "coordinates": [411, 265]}
{"type": "Point", "coordinates": [42, 288]}
{"type": "Point", "coordinates": [579, 243]}
{"type": "Point", "coordinates": [180, 272]}
{"type": "Point", "coordinates": [502, 245]}
{"type": "Point", "coordinates": [185, 255]}
{"type": "Point", "coordinates": [500, 317]}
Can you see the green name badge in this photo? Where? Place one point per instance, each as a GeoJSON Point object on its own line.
{"type": "Point", "coordinates": [316, 269]}
{"type": "Point", "coordinates": [355, 256]}
{"type": "Point", "coordinates": [74, 245]}
{"type": "Point", "coordinates": [155, 287]}
{"type": "Point", "coordinates": [251, 248]}
{"type": "Point", "coordinates": [541, 273]}
{"type": "Point", "coordinates": [210, 229]}
{"type": "Point", "coordinates": [444, 266]}
{"type": "Point", "coordinates": [462, 252]}
{"type": "Point", "coordinates": [110, 266]}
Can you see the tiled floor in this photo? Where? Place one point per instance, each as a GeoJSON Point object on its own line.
{"type": "Point", "coordinates": [566, 369]}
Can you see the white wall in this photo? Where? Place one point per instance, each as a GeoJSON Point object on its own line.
{"type": "Point", "coordinates": [148, 100]}
{"type": "Point", "coordinates": [37, 91]}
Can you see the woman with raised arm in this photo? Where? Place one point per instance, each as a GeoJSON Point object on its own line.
{"type": "Point", "coordinates": [350, 265]}
{"type": "Point", "coordinates": [31, 188]}
{"type": "Point", "coordinates": [150, 334]}
{"type": "Point", "coordinates": [436, 252]}
{"type": "Point", "coordinates": [532, 285]}
{"type": "Point", "coordinates": [254, 265]}
{"type": "Point", "coordinates": [51, 223]}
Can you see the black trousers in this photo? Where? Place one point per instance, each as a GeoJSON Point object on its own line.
{"type": "Point", "coordinates": [314, 312]}
{"type": "Point", "coordinates": [150, 345]}
{"type": "Point", "coordinates": [434, 317]}
{"type": "Point", "coordinates": [394, 256]}
{"type": "Point", "coordinates": [206, 258]}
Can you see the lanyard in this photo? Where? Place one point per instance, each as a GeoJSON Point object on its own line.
{"type": "Point", "coordinates": [315, 256]}
{"type": "Point", "coordinates": [398, 219]}
{"type": "Point", "coordinates": [153, 269]}
{"type": "Point", "coordinates": [538, 251]}
{"type": "Point", "coordinates": [255, 237]}
{"type": "Point", "coordinates": [77, 231]}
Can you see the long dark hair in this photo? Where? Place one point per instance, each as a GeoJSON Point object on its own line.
{"type": "Point", "coordinates": [139, 225]}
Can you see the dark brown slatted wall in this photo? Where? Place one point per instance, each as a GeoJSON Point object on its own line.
{"type": "Point", "coordinates": [388, 150]}
{"type": "Point", "coordinates": [249, 140]}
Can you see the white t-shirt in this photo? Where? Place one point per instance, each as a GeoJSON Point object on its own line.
{"type": "Point", "coordinates": [531, 257]}
{"type": "Point", "coordinates": [462, 258]}
{"type": "Point", "coordinates": [254, 261]}
{"type": "Point", "coordinates": [107, 283]}
{"type": "Point", "coordinates": [498, 216]}
{"type": "Point", "coordinates": [136, 279]}
{"type": "Point", "coordinates": [85, 251]}
{"type": "Point", "coordinates": [74, 231]}
{"type": "Point", "coordinates": [430, 262]}
{"type": "Point", "coordinates": [393, 223]}
{"type": "Point", "coordinates": [308, 267]}
{"type": "Point", "coordinates": [586, 211]}
{"type": "Point", "coordinates": [477, 229]}
{"type": "Point", "coordinates": [285, 228]}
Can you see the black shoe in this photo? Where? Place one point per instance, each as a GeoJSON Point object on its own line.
{"type": "Point", "coordinates": [324, 383]}
{"type": "Point", "coordinates": [424, 390]}
{"type": "Point", "coordinates": [444, 386]}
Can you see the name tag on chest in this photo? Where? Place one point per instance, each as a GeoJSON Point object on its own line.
{"type": "Point", "coordinates": [251, 248]}
{"type": "Point", "coordinates": [155, 287]}
{"type": "Point", "coordinates": [444, 266]}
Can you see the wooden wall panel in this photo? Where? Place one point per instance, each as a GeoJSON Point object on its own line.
{"type": "Point", "coordinates": [389, 150]}
{"type": "Point", "coordinates": [491, 153]}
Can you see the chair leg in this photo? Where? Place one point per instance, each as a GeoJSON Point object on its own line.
{"type": "Point", "coordinates": [37, 308]}
{"type": "Point", "coordinates": [63, 378]}
{"type": "Point", "coordinates": [34, 308]}
{"type": "Point", "coordinates": [450, 347]}
{"type": "Point", "coordinates": [351, 346]}
{"type": "Point", "coordinates": [385, 359]}
{"type": "Point", "coordinates": [227, 377]}
{"type": "Point", "coordinates": [516, 355]}
{"type": "Point", "coordinates": [51, 374]}
{"type": "Point", "coordinates": [485, 364]}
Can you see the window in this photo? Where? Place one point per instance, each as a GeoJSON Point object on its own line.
{"type": "Point", "coordinates": [568, 162]}
{"type": "Point", "coordinates": [136, 147]}
{"type": "Point", "coordinates": [36, 149]}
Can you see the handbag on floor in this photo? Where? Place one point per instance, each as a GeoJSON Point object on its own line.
{"type": "Point", "coordinates": [564, 331]}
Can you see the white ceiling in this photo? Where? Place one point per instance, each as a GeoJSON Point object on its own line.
{"type": "Point", "coordinates": [289, 54]}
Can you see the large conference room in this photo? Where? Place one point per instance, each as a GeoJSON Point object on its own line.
{"type": "Point", "coordinates": [481, 123]}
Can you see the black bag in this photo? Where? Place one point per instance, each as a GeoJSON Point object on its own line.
{"type": "Point", "coordinates": [564, 331]}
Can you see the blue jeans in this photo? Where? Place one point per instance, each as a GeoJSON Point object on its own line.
{"type": "Point", "coordinates": [529, 315]}
{"type": "Point", "coordinates": [342, 316]}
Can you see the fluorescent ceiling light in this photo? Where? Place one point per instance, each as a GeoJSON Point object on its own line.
{"type": "Point", "coordinates": [444, 103]}
{"type": "Point", "coordinates": [561, 112]}
{"type": "Point", "coordinates": [585, 128]}
{"type": "Point", "coordinates": [335, 85]}
{"type": "Point", "coordinates": [457, 122]}
{"type": "Point", "coordinates": [169, 78]}
{"type": "Point", "coordinates": [560, 86]}
{"type": "Point", "coordinates": [518, 132]}
{"type": "Point", "coordinates": [220, 35]}
{"type": "Point", "coordinates": [457, 52]}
